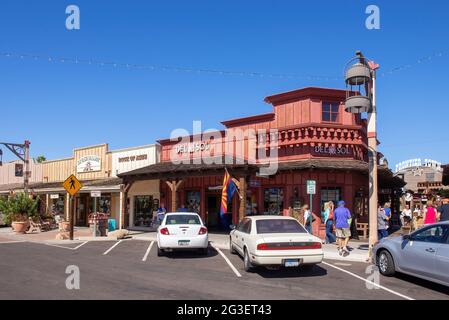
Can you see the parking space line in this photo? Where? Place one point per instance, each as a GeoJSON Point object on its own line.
{"type": "Point", "coordinates": [237, 273]}
{"type": "Point", "coordinates": [367, 281]}
{"type": "Point", "coordinates": [148, 251]}
{"type": "Point", "coordinates": [55, 245]}
{"type": "Point", "coordinates": [13, 241]}
{"type": "Point", "coordinates": [111, 248]}
{"type": "Point", "coordinates": [82, 244]}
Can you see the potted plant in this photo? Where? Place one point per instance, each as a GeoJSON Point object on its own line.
{"type": "Point", "coordinates": [17, 209]}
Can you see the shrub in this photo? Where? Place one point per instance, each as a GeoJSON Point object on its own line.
{"type": "Point", "coordinates": [18, 208]}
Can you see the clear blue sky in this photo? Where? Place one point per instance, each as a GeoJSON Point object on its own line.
{"type": "Point", "coordinates": [59, 106]}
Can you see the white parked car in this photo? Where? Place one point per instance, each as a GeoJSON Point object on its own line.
{"type": "Point", "coordinates": [182, 230]}
{"type": "Point", "coordinates": [275, 241]}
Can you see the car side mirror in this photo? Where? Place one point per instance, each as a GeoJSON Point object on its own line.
{"type": "Point", "coordinates": [406, 237]}
{"type": "Point", "coordinates": [232, 227]}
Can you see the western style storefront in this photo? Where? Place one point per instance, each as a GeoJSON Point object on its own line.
{"type": "Point", "coordinates": [308, 136]}
{"type": "Point", "coordinates": [97, 168]}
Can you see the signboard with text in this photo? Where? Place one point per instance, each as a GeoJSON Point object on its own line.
{"type": "Point", "coordinates": [311, 187]}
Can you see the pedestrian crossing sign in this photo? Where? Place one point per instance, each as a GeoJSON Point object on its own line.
{"type": "Point", "coordinates": [72, 185]}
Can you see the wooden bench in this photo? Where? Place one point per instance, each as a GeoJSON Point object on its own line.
{"type": "Point", "coordinates": [363, 228]}
{"type": "Point", "coordinates": [34, 227]}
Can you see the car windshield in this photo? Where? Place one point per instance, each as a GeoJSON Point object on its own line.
{"type": "Point", "coordinates": [182, 219]}
{"type": "Point", "coordinates": [279, 226]}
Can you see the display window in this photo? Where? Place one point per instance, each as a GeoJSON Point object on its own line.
{"type": "Point", "coordinates": [143, 211]}
{"type": "Point", "coordinates": [273, 201]}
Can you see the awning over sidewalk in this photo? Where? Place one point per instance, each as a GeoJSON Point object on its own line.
{"type": "Point", "coordinates": [105, 185]}
{"type": "Point", "coordinates": [199, 167]}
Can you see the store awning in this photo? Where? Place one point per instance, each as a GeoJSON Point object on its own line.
{"type": "Point", "coordinates": [194, 168]}
{"type": "Point", "coordinates": [105, 185]}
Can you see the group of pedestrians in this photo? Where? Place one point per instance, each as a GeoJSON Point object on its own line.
{"type": "Point", "coordinates": [338, 225]}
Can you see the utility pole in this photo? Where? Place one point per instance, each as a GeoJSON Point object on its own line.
{"type": "Point", "coordinates": [22, 151]}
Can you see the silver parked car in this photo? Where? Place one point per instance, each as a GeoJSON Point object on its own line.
{"type": "Point", "coordinates": [423, 254]}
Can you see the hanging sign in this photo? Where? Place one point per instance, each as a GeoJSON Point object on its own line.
{"type": "Point", "coordinates": [95, 194]}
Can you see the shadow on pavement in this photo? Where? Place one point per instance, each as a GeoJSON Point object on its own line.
{"type": "Point", "coordinates": [301, 272]}
{"type": "Point", "coordinates": [190, 254]}
{"type": "Point", "coordinates": [423, 283]}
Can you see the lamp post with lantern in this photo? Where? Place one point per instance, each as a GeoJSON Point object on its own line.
{"type": "Point", "coordinates": [360, 78]}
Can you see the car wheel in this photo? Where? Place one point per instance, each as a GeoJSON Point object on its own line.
{"type": "Point", "coordinates": [231, 247]}
{"type": "Point", "coordinates": [160, 252]}
{"type": "Point", "coordinates": [249, 267]}
{"type": "Point", "coordinates": [386, 263]}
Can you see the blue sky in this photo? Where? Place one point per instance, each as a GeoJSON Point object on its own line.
{"type": "Point", "coordinates": [61, 105]}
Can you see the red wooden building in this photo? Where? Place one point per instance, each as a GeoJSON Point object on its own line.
{"type": "Point", "coordinates": [307, 136]}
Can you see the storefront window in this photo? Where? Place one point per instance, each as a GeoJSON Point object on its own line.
{"type": "Point", "coordinates": [193, 201]}
{"type": "Point", "coordinates": [330, 194]}
{"type": "Point", "coordinates": [103, 204]}
{"type": "Point", "coordinates": [273, 201]}
{"type": "Point", "coordinates": [57, 206]}
{"type": "Point", "coordinates": [143, 211]}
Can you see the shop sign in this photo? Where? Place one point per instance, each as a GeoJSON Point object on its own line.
{"type": "Point", "coordinates": [334, 151]}
{"type": "Point", "coordinates": [88, 164]}
{"type": "Point", "coordinates": [140, 157]}
{"type": "Point", "coordinates": [19, 170]}
{"type": "Point", "coordinates": [192, 147]}
{"type": "Point", "coordinates": [54, 196]}
{"type": "Point", "coordinates": [311, 187]}
{"type": "Point", "coordinates": [95, 194]}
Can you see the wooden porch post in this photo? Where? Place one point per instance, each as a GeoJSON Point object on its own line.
{"type": "Point", "coordinates": [242, 187]}
{"type": "Point", "coordinates": [174, 186]}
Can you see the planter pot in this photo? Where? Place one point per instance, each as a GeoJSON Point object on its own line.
{"type": "Point", "coordinates": [64, 226]}
{"type": "Point", "coordinates": [20, 227]}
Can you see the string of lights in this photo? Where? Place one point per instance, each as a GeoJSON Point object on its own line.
{"type": "Point", "coordinates": [54, 59]}
{"type": "Point", "coordinates": [129, 66]}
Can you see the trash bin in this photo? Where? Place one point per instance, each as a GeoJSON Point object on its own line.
{"type": "Point", "coordinates": [111, 225]}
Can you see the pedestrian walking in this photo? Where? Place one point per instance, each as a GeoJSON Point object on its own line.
{"type": "Point", "coordinates": [328, 216]}
{"type": "Point", "coordinates": [406, 216]}
{"type": "Point", "coordinates": [161, 211]}
{"type": "Point", "coordinates": [308, 218]}
{"type": "Point", "coordinates": [382, 223]}
{"type": "Point", "coordinates": [430, 215]}
{"type": "Point", "coordinates": [343, 219]}
{"type": "Point", "coordinates": [443, 211]}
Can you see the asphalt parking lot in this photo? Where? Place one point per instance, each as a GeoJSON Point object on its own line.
{"type": "Point", "coordinates": [131, 269]}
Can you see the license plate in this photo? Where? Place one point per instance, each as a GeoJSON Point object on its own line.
{"type": "Point", "coordinates": [183, 242]}
{"type": "Point", "coordinates": [290, 263]}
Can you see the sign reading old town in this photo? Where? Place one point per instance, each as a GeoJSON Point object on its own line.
{"type": "Point", "coordinates": [88, 164]}
{"type": "Point", "coordinates": [193, 147]}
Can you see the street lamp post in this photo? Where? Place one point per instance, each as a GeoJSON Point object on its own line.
{"type": "Point", "coordinates": [22, 151]}
{"type": "Point", "coordinates": [361, 74]}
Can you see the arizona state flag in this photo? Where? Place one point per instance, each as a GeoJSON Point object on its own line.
{"type": "Point", "coordinates": [229, 188]}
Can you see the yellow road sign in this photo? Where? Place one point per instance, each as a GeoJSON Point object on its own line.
{"type": "Point", "coordinates": [72, 185]}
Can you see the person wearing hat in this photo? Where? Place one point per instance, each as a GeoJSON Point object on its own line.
{"type": "Point", "coordinates": [342, 217]}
